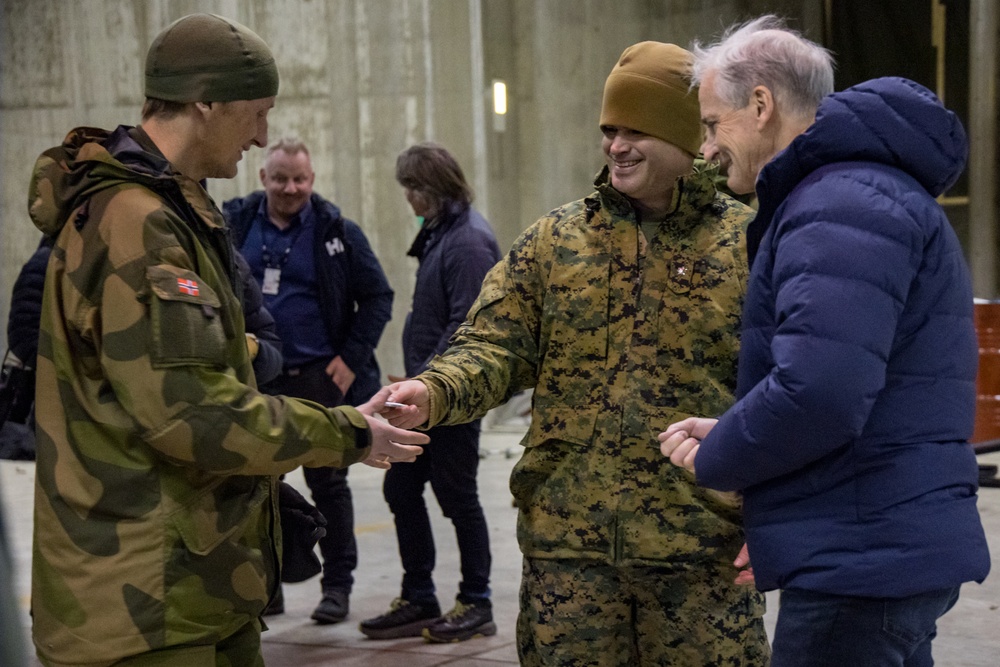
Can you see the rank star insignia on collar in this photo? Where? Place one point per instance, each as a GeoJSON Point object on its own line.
{"type": "Point", "coordinates": [682, 270]}
{"type": "Point", "coordinates": [186, 286]}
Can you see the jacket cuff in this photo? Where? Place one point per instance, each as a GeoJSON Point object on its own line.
{"type": "Point", "coordinates": [437, 408]}
{"type": "Point", "coordinates": [356, 420]}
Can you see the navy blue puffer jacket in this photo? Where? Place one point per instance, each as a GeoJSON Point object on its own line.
{"type": "Point", "coordinates": [455, 253]}
{"type": "Point", "coordinates": [858, 359]}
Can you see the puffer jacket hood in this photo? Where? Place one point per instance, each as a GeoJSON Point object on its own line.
{"type": "Point", "coordinates": [88, 161]}
{"type": "Point", "coordinates": [891, 121]}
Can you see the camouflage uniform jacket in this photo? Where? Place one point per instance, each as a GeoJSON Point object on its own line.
{"type": "Point", "coordinates": [155, 512]}
{"type": "Point", "coordinates": [619, 338]}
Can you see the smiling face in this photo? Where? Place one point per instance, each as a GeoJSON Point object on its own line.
{"type": "Point", "coordinates": [733, 137]}
{"type": "Point", "coordinates": [288, 180]}
{"type": "Point", "coordinates": [644, 168]}
{"type": "Point", "coordinates": [230, 129]}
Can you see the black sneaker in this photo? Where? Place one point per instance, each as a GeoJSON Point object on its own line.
{"type": "Point", "coordinates": [463, 622]}
{"type": "Point", "coordinates": [332, 608]}
{"type": "Point", "coordinates": [404, 619]}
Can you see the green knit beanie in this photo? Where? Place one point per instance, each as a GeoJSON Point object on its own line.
{"type": "Point", "coordinates": [649, 90]}
{"type": "Point", "coordinates": [208, 58]}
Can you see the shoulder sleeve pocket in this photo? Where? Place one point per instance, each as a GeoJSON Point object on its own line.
{"type": "Point", "coordinates": [492, 292]}
{"type": "Point", "coordinates": [185, 319]}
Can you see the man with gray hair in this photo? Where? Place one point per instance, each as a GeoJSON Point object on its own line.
{"type": "Point", "coordinates": [155, 494]}
{"type": "Point", "coordinates": [858, 357]}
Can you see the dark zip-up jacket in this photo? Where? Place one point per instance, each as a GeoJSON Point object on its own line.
{"type": "Point", "coordinates": [455, 255]}
{"type": "Point", "coordinates": [354, 294]}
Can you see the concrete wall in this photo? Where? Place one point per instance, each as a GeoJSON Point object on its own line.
{"type": "Point", "coordinates": [360, 81]}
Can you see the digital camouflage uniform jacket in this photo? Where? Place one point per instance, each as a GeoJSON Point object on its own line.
{"type": "Point", "coordinates": [619, 338]}
{"type": "Point", "coordinates": [155, 517]}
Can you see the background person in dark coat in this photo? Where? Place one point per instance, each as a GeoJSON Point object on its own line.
{"type": "Point", "coordinates": [17, 439]}
{"type": "Point", "coordinates": [262, 333]}
{"type": "Point", "coordinates": [456, 248]}
{"type": "Point", "coordinates": [331, 301]}
{"type": "Point", "coordinates": [858, 358]}
{"type": "Point", "coordinates": [17, 388]}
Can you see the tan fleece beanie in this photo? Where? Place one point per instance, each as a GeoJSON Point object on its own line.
{"type": "Point", "coordinates": [649, 91]}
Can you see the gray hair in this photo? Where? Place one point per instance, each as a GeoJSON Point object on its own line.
{"type": "Point", "coordinates": [798, 72]}
{"type": "Point", "coordinates": [289, 143]}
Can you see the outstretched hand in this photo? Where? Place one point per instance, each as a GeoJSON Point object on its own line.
{"type": "Point", "coordinates": [414, 397]}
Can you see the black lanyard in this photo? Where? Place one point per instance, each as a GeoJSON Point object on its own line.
{"type": "Point", "coordinates": [265, 254]}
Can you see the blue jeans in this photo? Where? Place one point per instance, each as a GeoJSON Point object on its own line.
{"type": "Point", "coordinates": [823, 630]}
{"type": "Point", "coordinates": [449, 463]}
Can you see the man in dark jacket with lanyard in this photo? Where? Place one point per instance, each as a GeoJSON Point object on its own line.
{"type": "Point", "coordinates": [856, 374]}
{"type": "Point", "coordinates": [331, 300]}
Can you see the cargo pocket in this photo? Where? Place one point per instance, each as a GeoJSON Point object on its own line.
{"type": "Point", "coordinates": [218, 514]}
{"type": "Point", "coordinates": [557, 484]}
{"type": "Point", "coordinates": [186, 321]}
{"type": "Point", "coordinates": [571, 425]}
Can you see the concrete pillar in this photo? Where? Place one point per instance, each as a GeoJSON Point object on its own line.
{"type": "Point", "coordinates": [984, 155]}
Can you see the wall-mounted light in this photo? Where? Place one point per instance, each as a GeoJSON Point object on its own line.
{"type": "Point", "coordinates": [499, 97]}
{"type": "Point", "coordinates": [499, 105]}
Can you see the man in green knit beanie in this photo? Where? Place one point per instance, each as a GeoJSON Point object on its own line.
{"type": "Point", "coordinates": [157, 535]}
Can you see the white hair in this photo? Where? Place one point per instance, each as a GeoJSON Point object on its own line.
{"type": "Point", "coordinates": [798, 72]}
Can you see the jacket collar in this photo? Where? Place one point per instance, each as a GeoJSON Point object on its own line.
{"type": "Point", "coordinates": [451, 215]}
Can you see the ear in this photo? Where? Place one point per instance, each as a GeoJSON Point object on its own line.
{"type": "Point", "coordinates": [762, 100]}
{"type": "Point", "coordinates": [263, 176]}
{"type": "Point", "coordinates": [203, 107]}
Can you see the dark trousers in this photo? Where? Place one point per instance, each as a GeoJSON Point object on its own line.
{"type": "Point", "coordinates": [330, 491]}
{"type": "Point", "coordinates": [449, 463]}
{"type": "Point", "coordinates": [822, 630]}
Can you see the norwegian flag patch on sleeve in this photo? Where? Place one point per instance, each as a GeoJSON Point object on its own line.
{"type": "Point", "coordinates": [187, 286]}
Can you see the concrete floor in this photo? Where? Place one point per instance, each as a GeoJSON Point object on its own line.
{"type": "Point", "coordinates": [969, 636]}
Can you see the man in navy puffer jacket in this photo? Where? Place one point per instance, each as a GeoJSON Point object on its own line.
{"type": "Point", "coordinates": [858, 360]}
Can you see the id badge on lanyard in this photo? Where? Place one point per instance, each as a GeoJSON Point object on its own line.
{"type": "Point", "coordinates": [272, 281]}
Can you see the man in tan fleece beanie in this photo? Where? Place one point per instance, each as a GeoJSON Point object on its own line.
{"type": "Point", "coordinates": [621, 310]}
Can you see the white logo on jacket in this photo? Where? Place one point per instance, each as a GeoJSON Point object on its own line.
{"type": "Point", "coordinates": [335, 246]}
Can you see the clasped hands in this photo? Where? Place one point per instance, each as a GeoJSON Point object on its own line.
{"type": "Point", "coordinates": [391, 441]}
{"type": "Point", "coordinates": [680, 443]}
{"type": "Point", "coordinates": [681, 440]}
